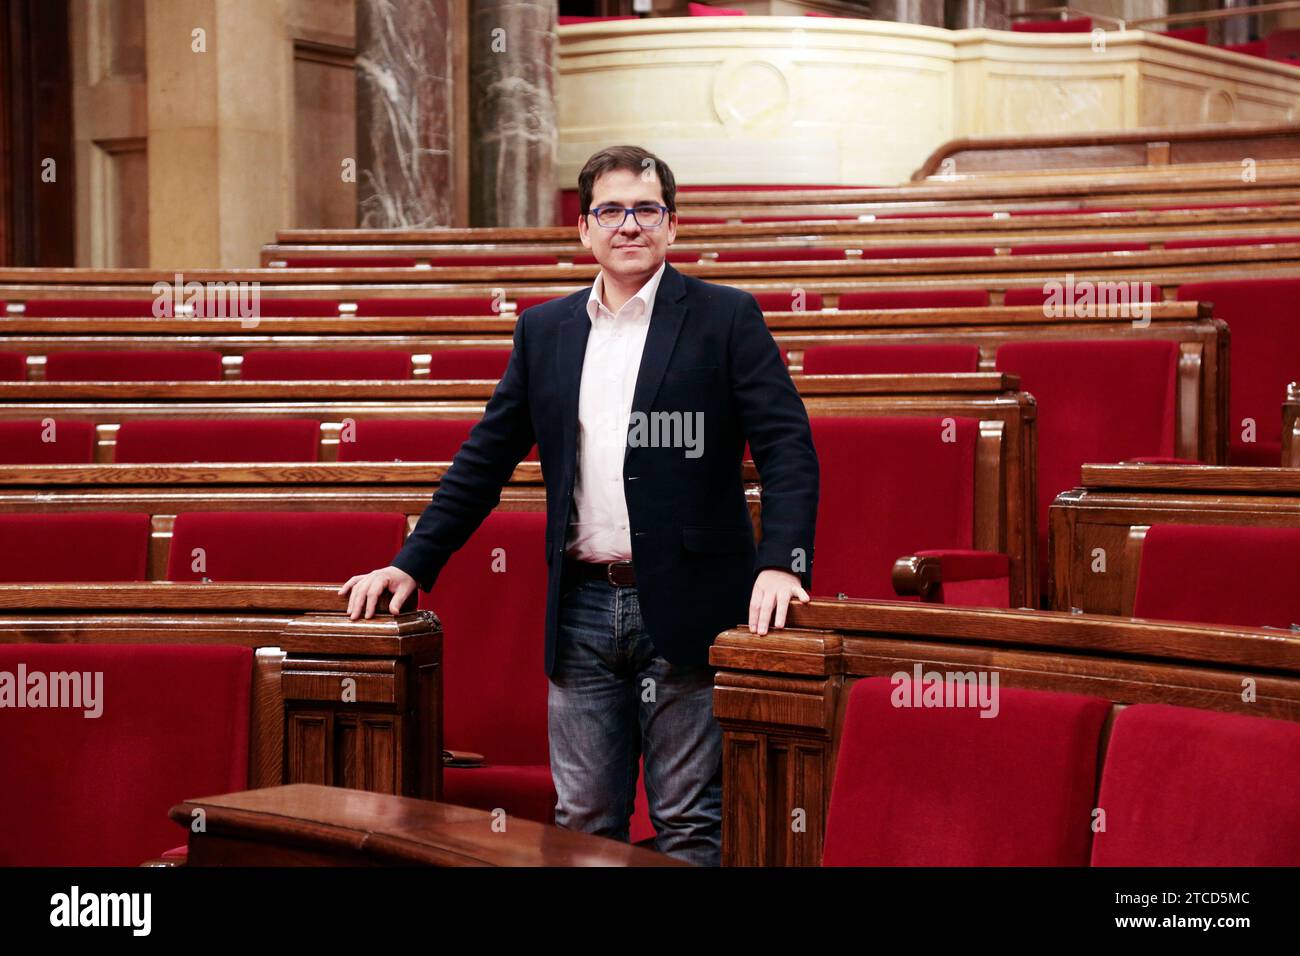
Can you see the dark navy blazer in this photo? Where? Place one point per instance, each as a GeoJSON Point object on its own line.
{"type": "Point", "coordinates": [707, 350]}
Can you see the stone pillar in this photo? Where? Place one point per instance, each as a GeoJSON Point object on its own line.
{"type": "Point", "coordinates": [412, 113]}
{"type": "Point", "coordinates": [514, 139]}
{"type": "Point", "coordinates": [1239, 29]}
{"type": "Point", "coordinates": [925, 12]}
{"type": "Point", "coordinates": [971, 14]}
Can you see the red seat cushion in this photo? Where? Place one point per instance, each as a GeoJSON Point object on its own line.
{"type": "Point", "coordinates": [1253, 48]}
{"type": "Point", "coordinates": [263, 365]}
{"type": "Point", "coordinates": [890, 359]}
{"type": "Point", "coordinates": [1075, 25]}
{"type": "Point", "coordinates": [60, 308]}
{"type": "Point", "coordinates": [297, 308]}
{"type": "Point", "coordinates": [47, 442]}
{"type": "Point", "coordinates": [469, 363]}
{"type": "Point", "coordinates": [398, 439]}
{"type": "Point", "coordinates": [95, 791]}
{"type": "Point", "coordinates": [525, 791]}
{"type": "Point", "coordinates": [1038, 295]}
{"type": "Point", "coordinates": [1105, 400]}
{"type": "Point", "coordinates": [916, 299]}
{"type": "Point", "coordinates": [147, 441]}
{"type": "Point", "coordinates": [890, 487]}
{"type": "Point", "coordinates": [1264, 318]}
{"type": "Point", "coordinates": [943, 786]}
{"type": "Point", "coordinates": [1220, 574]}
{"type": "Point", "coordinates": [132, 365]}
{"type": "Point", "coordinates": [349, 262]}
{"type": "Point", "coordinates": [1190, 34]}
{"type": "Point", "coordinates": [13, 367]}
{"type": "Point", "coordinates": [446, 305]}
{"type": "Point", "coordinates": [1187, 787]}
{"type": "Point", "coordinates": [79, 548]}
{"type": "Point", "coordinates": [1078, 248]}
{"type": "Point", "coordinates": [281, 546]}
{"type": "Point", "coordinates": [789, 301]}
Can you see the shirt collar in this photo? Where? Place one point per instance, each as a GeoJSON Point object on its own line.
{"type": "Point", "coordinates": [646, 294]}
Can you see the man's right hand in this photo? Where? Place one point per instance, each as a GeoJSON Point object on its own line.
{"type": "Point", "coordinates": [366, 590]}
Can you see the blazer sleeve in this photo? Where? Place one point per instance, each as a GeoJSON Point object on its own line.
{"type": "Point", "coordinates": [775, 422]}
{"type": "Point", "coordinates": [471, 488]}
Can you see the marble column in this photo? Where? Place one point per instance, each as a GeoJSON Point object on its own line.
{"type": "Point", "coordinates": [514, 138]}
{"type": "Point", "coordinates": [970, 14]}
{"type": "Point", "coordinates": [412, 115]}
{"type": "Point", "coordinates": [925, 12]}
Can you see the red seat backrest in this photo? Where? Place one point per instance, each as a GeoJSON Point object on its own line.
{"type": "Point", "coordinates": [149, 441]}
{"type": "Point", "coordinates": [1075, 25]}
{"type": "Point", "coordinates": [796, 300]}
{"type": "Point", "coordinates": [88, 308]}
{"type": "Point", "coordinates": [134, 365]}
{"type": "Point", "coordinates": [889, 487]}
{"type": "Point", "coordinates": [916, 299]}
{"type": "Point", "coordinates": [943, 786]}
{"type": "Point", "coordinates": [447, 305]}
{"type": "Point", "coordinates": [468, 363]}
{"type": "Point", "coordinates": [282, 546]}
{"type": "Point", "coordinates": [491, 599]}
{"type": "Point", "coordinates": [80, 548]}
{"type": "Point", "coordinates": [1190, 34]}
{"type": "Point", "coordinates": [1220, 574]}
{"type": "Point", "coordinates": [1264, 318]}
{"type": "Point", "coordinates": [264, 365]}
{"type": "Point", "coordinates": [1099, 400]}
{"type": "Point", "coordinates": [47, 442]}
{"type": "Point", "coordinates": [95, 791]}
{"type": "Point", "coordinates": [793, 254]}
{"type": "Point", "coordinates": [1188, 787]}
{"type": "Point", "coordinates": [297, 308]}
{"type": "Point", "coordinates": [890, 359]}
{"type": "Point", "coordinates": [13, 367]}
{"type": "Point", "coordinates": [398, 439]}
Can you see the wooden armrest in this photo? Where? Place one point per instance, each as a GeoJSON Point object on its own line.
{"type": "Point", "coordinates": [312, 825]}
{"type": "Point", "coordinates": [923, 574]}
{"type": "Point", "coordinates": [461, 758]}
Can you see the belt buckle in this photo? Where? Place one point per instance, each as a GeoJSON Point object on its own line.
{"type": "Point", "coordinates": [609, 571]}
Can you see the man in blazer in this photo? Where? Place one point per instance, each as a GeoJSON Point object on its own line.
{"type": "Point", "coordinates": [640, 392]}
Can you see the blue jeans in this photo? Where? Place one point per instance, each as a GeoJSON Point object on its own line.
{"type": "Point", "coordinates": [611, 697]}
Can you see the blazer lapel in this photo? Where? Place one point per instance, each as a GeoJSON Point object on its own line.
{"type": "Point", "coordinates": [570, 353]}
{"type": "Point", "coordinates": [665, 324]}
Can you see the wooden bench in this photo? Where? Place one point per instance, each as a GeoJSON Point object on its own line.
{"type": "Point", "coordinates": [780, 698]}
{"type": "Point", "coordinates": [1107, 516]}
{"type": "Point", "coordinates": [305, 825]}
{"type": "Point", "coordinates": [383, 735]}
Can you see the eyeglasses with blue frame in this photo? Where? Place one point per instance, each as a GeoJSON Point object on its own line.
{"type": "Point", "coordinates": [648, 215]}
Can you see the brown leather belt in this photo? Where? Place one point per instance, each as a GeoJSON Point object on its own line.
{"type": "Point", "coordinates": [617, 573]}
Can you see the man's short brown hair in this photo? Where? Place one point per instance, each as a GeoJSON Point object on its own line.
{"type": "Point", "coordinates": [633, 159]}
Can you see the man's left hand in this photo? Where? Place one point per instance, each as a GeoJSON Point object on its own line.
{"type": "Point", "coordinates": [773, 590]}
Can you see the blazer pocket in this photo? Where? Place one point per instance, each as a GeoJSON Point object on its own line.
{"type": "Point", "coordinates": [718, 540]}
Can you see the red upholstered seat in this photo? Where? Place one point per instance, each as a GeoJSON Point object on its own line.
{"type": "Point", "coordinates": [88, 308]}
{"type": "Point", "coordinates": [79, 548]}
{"type": "Point", "coordinates": [447, 305]}
{"type": "Point", "coordinates": [494, 259]}
{"type": "Point", "coordinates": [491, 599]}
{"type": "Point", "coordinates": [890, 359]}
{"type": "Point", "coordinates": [297, 308]}
{"type": "Point", "coordinates": [1103, 400]}
{"type": "Point", "coordinates": [281, 546]}
{"type": "Point", "coordinates": [890, 487]}
{"type": "Point", "coordinates": [13, 367]}
{"type": "Point", "coordinates": [1253, 48]}
{"type": "Point", "coordinates": [397, 439]}
{"type": "Point", "coordinates": [94, 791]}
{"type": "Point", "coordinates": [788, 301]}
{"type": "Point", "coordinates": [1264, 318]}
{"type": "Point", "coordinates": [1077, 248]}
{"type": "Point", "coordinates": [925, 252]}
{"type": "Point", "coordinates": [134, 365]}
{"type": "Point", "coordinates": [469, 363]}
{"type": "Point", "coordinates": [1283, 44]}
{"type": "Point", "coordinates": [349, 262]}
{"type": "Point", "coordinates": [41, 442]}
{"type": "Point", "coordinates": [675, 256]}
{"type": "Point", "coordinates": [1189, 34]}
{"type": "Point", "coordinates": [780, 255]}
{"type": "Point", "coordinates": [943, 786]}
{"type": "Point", "coordinates": [1075, 25]}
{"type": "Point", "coordinates": [1220, 574]}
{"type": "Point", "coordinates": [1037, 295]}
{"type": "Point", "coordinates": [263, 365]}
{"type": "Point", "coordinates": [146, 441]}
{"type": "Point", "coordinates": [916, 299]}
{"type": "Point", "coordinates": [1187, 787]}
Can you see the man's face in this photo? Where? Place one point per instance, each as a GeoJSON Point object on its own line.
{"type": "Point", "coordinates": [630, 251]}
